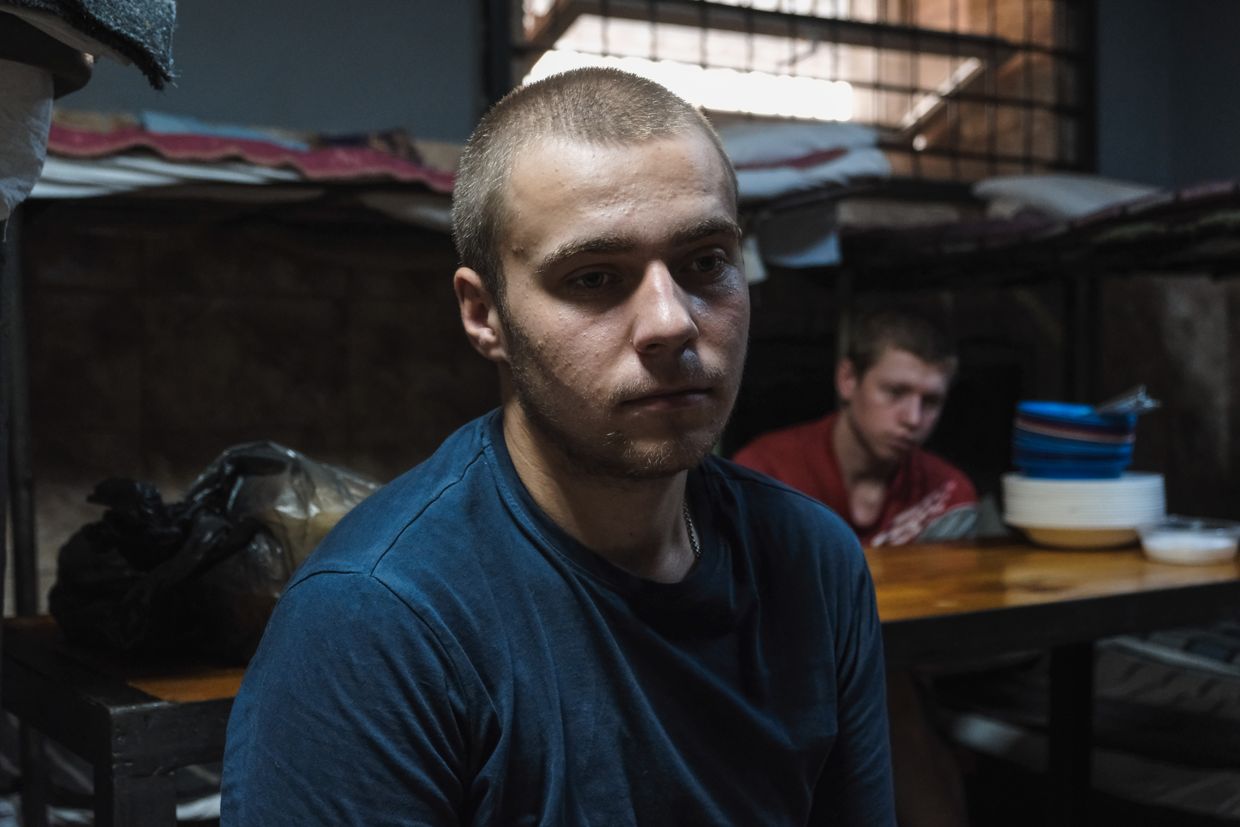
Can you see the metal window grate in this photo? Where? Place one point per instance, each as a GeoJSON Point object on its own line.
{"type": "Point", "coordinates": [958, 89]}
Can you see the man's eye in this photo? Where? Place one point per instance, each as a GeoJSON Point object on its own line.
{"type": "Point", "coordinates": [706, 264]}
{"type": "Point", "coordinates": [592, 280]}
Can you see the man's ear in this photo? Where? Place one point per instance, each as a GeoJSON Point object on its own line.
{"type": "Point", "coordinates": [479, 315]}
{"type": "Point", "coordinates": [845, 380]}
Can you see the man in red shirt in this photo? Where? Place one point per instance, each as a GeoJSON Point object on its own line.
{"type": "Point", "coordinates": [865, 461]}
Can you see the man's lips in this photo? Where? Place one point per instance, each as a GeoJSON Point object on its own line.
{"type": "Point", "coordinates": [670, 398]}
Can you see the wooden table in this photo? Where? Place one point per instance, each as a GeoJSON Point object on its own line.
{"type": "Point", "coordinates": [952, 601]}
{"type": "Point", "coordinates": [134, 724]}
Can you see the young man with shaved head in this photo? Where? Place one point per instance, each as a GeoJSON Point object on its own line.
{"type": "Point", "coordinates": [572, 613]}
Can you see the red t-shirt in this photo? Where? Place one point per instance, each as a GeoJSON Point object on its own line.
{"type": "Point", "coordinates": [926, 491]}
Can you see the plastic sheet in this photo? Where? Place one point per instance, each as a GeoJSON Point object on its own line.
{"type": "Point", "coordinates": [198, 576]}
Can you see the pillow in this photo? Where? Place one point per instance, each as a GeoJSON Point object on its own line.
{"type": "Point", "coordinates": [767, 143]}
{"type": "Point", "coordinates": [774, 159]}
{"type": "Point", "coordinates": [836, 168]}
{"type": "Point", "coordinates": [1058, 195]}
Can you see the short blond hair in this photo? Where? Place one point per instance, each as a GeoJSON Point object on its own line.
{"type": "Point", "coordinates": [594, 105]}
{"type": "Point", "coordinates": [874, 332]}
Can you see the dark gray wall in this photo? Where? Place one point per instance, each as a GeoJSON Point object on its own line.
{"type": "Point", "coordinates": [1205, 91]}
{"type": "Point", "coordinates": [1169, 90]}
{"type": "Point", "coordinates": [1134, 133]}
{"type": "Point", "coordinates": [315, 65]}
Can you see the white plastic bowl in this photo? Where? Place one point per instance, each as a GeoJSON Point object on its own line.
{"type": "Point", "coordinates": [1190, 541]}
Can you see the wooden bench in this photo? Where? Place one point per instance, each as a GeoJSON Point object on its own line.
{"type": "Point", "coordinates": [134, 722]}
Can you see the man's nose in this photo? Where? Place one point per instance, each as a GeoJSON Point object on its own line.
{"type": "Point", "coordinates": [912, 412]}
{"type": "Point", "coordinates": [662, 312]}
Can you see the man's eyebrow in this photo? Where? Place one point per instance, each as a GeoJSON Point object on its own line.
{"type": "Point", "coordinates": [622, 244]}
{"type": "Point", "coordinates": [597, 244]}
{"type": "Point", "coordinates": [705, 229]}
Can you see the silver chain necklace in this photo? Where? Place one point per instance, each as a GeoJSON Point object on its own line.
{"type": "Point", "coordinates": [689, 527]}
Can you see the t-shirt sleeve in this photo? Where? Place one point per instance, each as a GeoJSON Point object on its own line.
{"type": "Point", "coordinates": [350, 714]}
{"type": "Point", "coordinates": [855, 788]}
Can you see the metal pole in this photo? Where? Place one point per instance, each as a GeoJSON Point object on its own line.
{"type": "Point", "coordinates": [497, 23]}
{"type": "Point", "coordinates": [4, 436]}
{"type": "Point", "coordinates": [18, 488]}
{"type": "Point", "coordinates": [1070, 740]}
{"type": "Point", "coordinates": [1087, 47]}
{"type": "Point", "coordinates": [21, 476]}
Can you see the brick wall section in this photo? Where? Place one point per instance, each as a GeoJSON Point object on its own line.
{"type": "Point", "coordinates": [162, 334]}
{"type": "Point", "coordinates": [1177, 334]}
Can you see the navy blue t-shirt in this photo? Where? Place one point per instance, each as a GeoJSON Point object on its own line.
{"type": "Point", "coordinates": [450, 656]}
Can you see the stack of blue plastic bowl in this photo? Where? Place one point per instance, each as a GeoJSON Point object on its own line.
{"type": "Point", "coordinates": [1060, 440]}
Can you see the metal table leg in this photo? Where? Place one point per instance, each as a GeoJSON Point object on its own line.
{"type": "Point", "coordinates": [34, 785]}
{"type": "Point", "coordinates": [21, 477]}
{"type": "Point", "coordinates": [1071, 734]}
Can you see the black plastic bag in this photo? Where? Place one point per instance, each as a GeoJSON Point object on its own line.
{"type": "Point", "coordinates": [199, 576]}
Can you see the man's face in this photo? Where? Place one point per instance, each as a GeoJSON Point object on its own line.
{"type": "Point", "coordinates": [626, 311]}
{"type": "Point", "coordinates": [894, 406]}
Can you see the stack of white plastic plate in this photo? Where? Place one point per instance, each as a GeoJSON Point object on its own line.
{"type": "Point", "coordinates": [1083, 513]}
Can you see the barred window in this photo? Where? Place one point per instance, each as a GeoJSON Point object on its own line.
{"type": "Point", "coordinates": [958, 89]}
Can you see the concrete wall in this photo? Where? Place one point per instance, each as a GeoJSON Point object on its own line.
{"type": "Point", "coordinates": [1134, 130]}
{"type": "Point", "coordinates": [1168, 103]}
{"type": "Point", "coordinates": [314, 65]}
{"type": "Point", "coordinates": [1204, 93]}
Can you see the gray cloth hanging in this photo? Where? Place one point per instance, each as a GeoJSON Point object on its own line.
{"type": "Point", "coordinates": [140, 30]}
{"type": "Point", "coordinates": [25, 116]}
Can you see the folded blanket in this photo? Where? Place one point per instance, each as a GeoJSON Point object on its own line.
{"type": "Point", "coordinates": [223, 152]}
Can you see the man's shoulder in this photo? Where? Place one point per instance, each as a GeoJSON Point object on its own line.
{"type": "Point", "coordinates": [774, 506]}
{"type": "Point", "coordinates": [786, 531]}
{"type": "Point", "coordinates": [426, 498]}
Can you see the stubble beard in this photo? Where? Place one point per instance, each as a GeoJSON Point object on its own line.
{"type": "Point", "coordinates": [615, 454]}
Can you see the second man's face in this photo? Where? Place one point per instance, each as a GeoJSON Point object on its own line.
{"type": "Point", "coordinates": [626, 306]}
{"type": "Point", "coordinates": [894, 406]}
